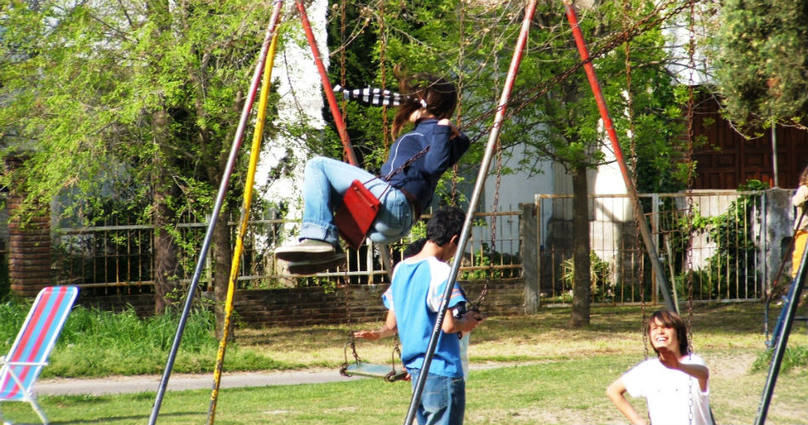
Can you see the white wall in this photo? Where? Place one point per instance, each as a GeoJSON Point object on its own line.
{"type": "Point", "coordinates": [301, 101]}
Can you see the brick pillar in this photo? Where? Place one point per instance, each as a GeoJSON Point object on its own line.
{"type": "Point", "coordinates": [29, 249]}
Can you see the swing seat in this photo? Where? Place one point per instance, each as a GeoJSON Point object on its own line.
{"type": "Point", "coordinates": [354, 218]}
{"type": "Point", "coordinates": [373, 370]}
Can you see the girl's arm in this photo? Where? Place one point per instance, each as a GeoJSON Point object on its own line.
{"type": "Point", "coordinates": [447, 145]}
{"type": "Point", "coordinates": [616, 393]}
{"type": "Point", "coordinates": [697, 371]}
{"type": "Point", "coordinates": [800, 197]}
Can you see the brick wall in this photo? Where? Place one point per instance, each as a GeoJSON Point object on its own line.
{"type": "Point", "coordinates": [29, 250]}
{"type": "Point", "coordinates": [315, 305]}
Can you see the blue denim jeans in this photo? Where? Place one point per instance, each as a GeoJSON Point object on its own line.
{"type": "Point", "coordinates": [443, 401]}
{"type": "Point", "coordinates": [326, 180]}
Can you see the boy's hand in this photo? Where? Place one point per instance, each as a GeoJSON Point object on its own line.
{"type": "Point", "coordinates": [369, 335]}
{"type": "Point", "coordinates": [473, 318]}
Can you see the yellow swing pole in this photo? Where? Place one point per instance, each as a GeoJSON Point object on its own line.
{"type": "Point", "coordinates": [245, 216]}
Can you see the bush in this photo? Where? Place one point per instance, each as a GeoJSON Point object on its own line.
{"type": "Point", "coordinates": [599, 273]}
{"type": "Point", "coordinates": [794, 357]}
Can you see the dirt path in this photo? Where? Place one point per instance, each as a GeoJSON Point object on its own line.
{"type": "Point", "coordinates": [179, 382]}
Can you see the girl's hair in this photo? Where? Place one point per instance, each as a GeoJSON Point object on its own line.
{"type": "Point", "coordinates": [413, 248]}
{"type": "Point", "coordinates": [803, 177]}
{"type": "Point", "coordinates": [434, 93]}
{"type": "Point", "coordinates": [671, 320]}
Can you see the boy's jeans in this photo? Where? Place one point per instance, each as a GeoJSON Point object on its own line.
{"type": "Point", "coordinates": [324, 182]}
{"type": "Point", "coordinates": [443, 401]}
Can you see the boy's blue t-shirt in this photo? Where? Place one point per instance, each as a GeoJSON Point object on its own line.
{"type": "Point", "coordinates": [415, 296]}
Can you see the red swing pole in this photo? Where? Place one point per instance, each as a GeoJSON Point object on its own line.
{"type": "Point", "coordinates": [329, 92]}
{"type": "Point", "coordinates": [645, 232]}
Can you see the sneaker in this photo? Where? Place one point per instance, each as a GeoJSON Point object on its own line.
{"type": "Point", "coordinates": [307, 249]}
{"type": "Point", "coordinates": [313, 266]}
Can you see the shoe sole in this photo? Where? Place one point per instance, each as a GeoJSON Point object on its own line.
{"type": "Point", "coordinates": [309, 254]}
{"type": "Point", "coordinates": [309, 267]}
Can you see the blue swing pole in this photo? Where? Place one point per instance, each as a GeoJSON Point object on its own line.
{"type": "Point", "coordinates": [475, 198]}
{"type": "Point", "coordinates": [231, 160]}
{"type": "Point", "coordinates": [782, 341]}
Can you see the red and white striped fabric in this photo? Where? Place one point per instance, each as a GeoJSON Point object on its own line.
{"type": "Point", "coordinates": [30, 351]}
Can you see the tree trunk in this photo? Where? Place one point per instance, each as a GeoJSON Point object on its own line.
{"type": "Point", "coordinates": [222, 258]}
{"type": "Point", "coordinates": [166, 263]}
{"type": "Point", "coordinates": [222, 250]}
{"type": "Point", "coordinates": [580, 241]}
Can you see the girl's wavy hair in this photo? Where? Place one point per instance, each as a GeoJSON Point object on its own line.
{"type": "Point", "coordinates": [672, 320]}
{"type": "Point", "coordinates": [803, 177]}
{"type": "Point", "coordinates": [437, 95]}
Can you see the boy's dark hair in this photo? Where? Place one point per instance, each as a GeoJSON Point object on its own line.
{"type": "Point", "coordinates": [445, 223]}
{"type": "Point", "coordinates": [672, 320]}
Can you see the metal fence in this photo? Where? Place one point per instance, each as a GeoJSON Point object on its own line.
{"type": "Point", "coordinates": [711, 244]}
{"type": "Point", "coordinates": [121, 255]}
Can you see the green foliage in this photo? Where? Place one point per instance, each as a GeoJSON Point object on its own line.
{"type": "Point", "coordinates": [483, 261]}
{"type": "Point", "coordinates": [794, 357]}
{"type": "Point", "coordinates": [126, 113]}
{"type": "Point", "coordinates": [760, 53]}
{"type": "Point", "coordinates": [733, 235]}
{"type": "Point", "coordinates": [472, 43]}
{"type": "Point", "coordinates": [95, 342]}
{"type": "Point", "coordinates": [600, 275]}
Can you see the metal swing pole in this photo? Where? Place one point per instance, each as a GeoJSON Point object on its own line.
{"type": "Point", "coordinates": [245, 217]}
{"type": "Point", "coordinates": [645, 232]}
{"type": "Point", "coordinates": [245, 113]}
{"type": "Point", "coordinates": [475, 198]}
{"type": "Point", "coordinates": [782, 341]}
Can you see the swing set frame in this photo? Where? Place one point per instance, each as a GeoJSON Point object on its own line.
{"type": "Point", "coordinates": [264, 67]}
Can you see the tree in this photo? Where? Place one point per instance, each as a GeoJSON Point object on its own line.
{"type": "Point", "coordinates": [131, 101]}
{"type": "Point", "coordinates": [760, 55]}
{"type": "Point", "coordinates": [557, 120]}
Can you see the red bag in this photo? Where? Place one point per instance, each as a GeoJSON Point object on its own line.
{"type": "Point", "coordinates": [355, 216]}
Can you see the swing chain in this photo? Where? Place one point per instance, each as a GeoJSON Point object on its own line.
{"type": "Point", "coordinates": [633, 158]}
{"type": "Point", "coordinates": [353, 348]}
{"type": "Point", "coordinates": [690, 175]}
{"type": "Point", "coordinates": [352, 343]}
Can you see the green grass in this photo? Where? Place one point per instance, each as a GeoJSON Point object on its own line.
{"type": "Point", "coordinates": [552, 392]}
{"type": "Point", "coordinates": [101, 343]}
{"type": "Point", "coordinates": [538, 371]}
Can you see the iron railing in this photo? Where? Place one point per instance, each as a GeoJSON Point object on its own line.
{"type": "Point", "coordinates": [122, 255]}
{"type": "Point", "coordinates": [711, 243]}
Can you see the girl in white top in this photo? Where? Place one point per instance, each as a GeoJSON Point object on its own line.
{"type": "Point", "coordinates": [801, 222]}
{"type": "Point", "coordinates": [674, 384]}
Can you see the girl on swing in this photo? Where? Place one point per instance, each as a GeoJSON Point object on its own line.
{"type": "Point", "coordinates": [416, 162]}
{"type": "Point", "coordinates": [675, 383]}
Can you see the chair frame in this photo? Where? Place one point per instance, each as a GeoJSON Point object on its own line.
{"type": "Point", "coordinates": [20, 368]}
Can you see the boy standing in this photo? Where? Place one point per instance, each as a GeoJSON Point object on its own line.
{"type": "Point", "coordinates": [413, 301]}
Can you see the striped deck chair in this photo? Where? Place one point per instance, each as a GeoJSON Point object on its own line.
{"type": "Point", "coordinates": [30, 351]}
